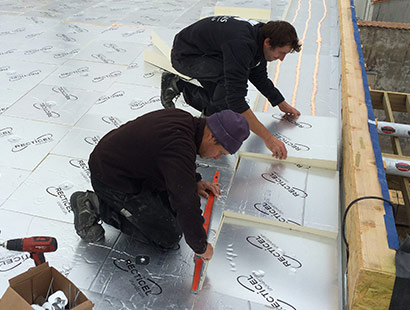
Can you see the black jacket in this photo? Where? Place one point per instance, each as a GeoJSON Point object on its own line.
{"type": "Point", "coordinates": [157, 151]}
{"type": "Point", "coordinates": [239, 45]}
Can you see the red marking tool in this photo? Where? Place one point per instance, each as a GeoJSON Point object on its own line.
{"type": "Point", "coordinates": [207, 217]}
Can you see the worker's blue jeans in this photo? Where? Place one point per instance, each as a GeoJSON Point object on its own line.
{"type": "Point", "coordinates": [147, 214]}
{"type": "Point", "coordinates": [209, 98]}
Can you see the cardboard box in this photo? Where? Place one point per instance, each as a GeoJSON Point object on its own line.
{"type": "Point", "coordinates": [27, 287]}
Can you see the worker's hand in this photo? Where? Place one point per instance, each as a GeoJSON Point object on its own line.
{"type": "Point", "coordinates": [277, 147]}
{"type": "Point", "coordinates": [288, 109]}
{"type": "Point", "coordinates": [208, 253]}
{"type": "Point", "coordinates": [204, 187]}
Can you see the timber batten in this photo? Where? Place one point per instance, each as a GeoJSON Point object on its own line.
{"type": "Point", "coordinates": [370, 268]}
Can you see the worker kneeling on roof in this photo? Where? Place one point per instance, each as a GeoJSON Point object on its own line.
{"type": "Point", "coordinates": [145, 180]}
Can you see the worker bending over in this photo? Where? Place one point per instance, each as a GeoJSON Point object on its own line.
{"type": "Point", "coordinates": [223, 53]}
{"type": "Point", "coordinates": [145, 181]}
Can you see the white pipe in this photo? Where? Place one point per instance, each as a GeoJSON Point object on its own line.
{"type": "Point", "coordinates": [393, 129]}
{"type": "Point", "coordinates": [397, 166]}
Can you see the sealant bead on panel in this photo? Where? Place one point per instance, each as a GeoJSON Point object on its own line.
{"type": "Point", "coordinates": [14, 138]}
{"type": "Point", "coordinates": [39, 200]}
{"type": "Point", "coordinates": [66, 185]}
{"type": "Point", "coordinates": [51, 103]}
{"type": "Point", "coordinates": [280, 251]}
{"type": "Point", "coordinates": [258, 273]}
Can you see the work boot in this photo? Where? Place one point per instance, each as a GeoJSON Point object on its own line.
{"type": "Point", "coordinates": [169, 89]}
{"type": "Point", "coordinates": [86, 216]}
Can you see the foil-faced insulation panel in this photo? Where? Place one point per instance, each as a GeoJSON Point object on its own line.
{"type": "Point", "coordinates": [276, 266]}
{"type": "Point", "coordinates": [308, 140]}
{"type": "Point", "coordinates": [286, 192]}
{"type": "Point", "coordinates": [164, 279]}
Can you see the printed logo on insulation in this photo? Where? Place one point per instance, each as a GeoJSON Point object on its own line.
{"type": "Point", "coordinates": [62, 199]}
{"type": "Point", "coordinates": [296, 146]}
{"type": "Point", "coordinates": [117, 94]}
{"type": "Point", "coordinates": [112, 120]}
{"type": "Point", "coordinates": [18, 77]}
{"type": "Point", "coordinates": [92, 140]}
{"type": "Point", "coordinates": [12, 261]}
{"type": "Point", "coordinates": [272, 211]}
{"type": "Point", "coordinates": [46, 138]}
{"type": "Point", "coordinates": [64, 54]}
{"type": "Point", "coordinates": [138, 103]}
{"type": "Point", "coordinates": [101, 78]}
{"type": "Point", "coordinates": [258, 287]}
{"type": "Point", "coordinates": [46, 109]}
{"type": "Point", "coordinates": [65, 92]}
{"type": "Point", "coordinates": [275, 178]}
{"type": "Point", "coordinates": [80, 71]}
{"type": "Point", "coordinates": [289, 119]}
{"type": "Point", "coordinates": [262, 243]}
{"type": "Point", "coordinates": [85, 170]}
{"type": "Point", "coordinates": [142, 284]}
{"type": "Point", "coordinates": [6, 131]}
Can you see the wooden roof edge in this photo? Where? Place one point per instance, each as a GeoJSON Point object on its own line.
{"type": "Point", "coordinates": [379, 24]}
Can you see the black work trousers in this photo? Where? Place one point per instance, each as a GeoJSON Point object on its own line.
{"type": "Point", "coordinates": [147, 214]}
{"type": "Point", "coordinates": [211, 97]}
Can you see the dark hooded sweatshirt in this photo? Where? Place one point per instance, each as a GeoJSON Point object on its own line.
{"type": "Point", "coordinates": [157, 151]}
{"type": "Point", "coordinates": [238, 44]}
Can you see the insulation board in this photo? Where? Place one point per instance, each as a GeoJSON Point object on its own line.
{"type": "Point", "coordinates": [154, 56]}
{"type": "Point", "coordinates": [309, 140]}
{"type": "Point", "coordinates": [252, 9]}
{"type": "Point", "coordinates": [286, 192]}
{"type": "Point", "coordinates": [163, 39]}
{"type": "Point", "coordinates": [276, 266]}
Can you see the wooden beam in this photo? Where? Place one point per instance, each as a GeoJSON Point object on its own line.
{"type": "Point", "coordinates": [371, 270]}
{"type": "Point", "coordinates": [397, 100]}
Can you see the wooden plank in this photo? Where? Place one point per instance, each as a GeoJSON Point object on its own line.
{"type": "Point", "coordinates": [408, 105]}
{"type": "Point", "coordinates": [370, 266]}
{"type": "Point", "coordinates": [270, 224]}
{"type": "Point", "coordinates": [311, 162]}
{"type": "Point", "coordinates": [390, 117]}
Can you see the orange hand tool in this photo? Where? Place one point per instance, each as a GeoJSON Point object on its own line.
{"type": "Point", "coordinates": [207, 217]}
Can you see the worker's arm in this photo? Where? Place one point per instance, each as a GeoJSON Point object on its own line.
{"type": "Point", "coordinates": [276, 146]}
{"type": "Point", "coordinates": [288, 109]}
{"type": "Point", "coordinates": [204, 187]}
{"type": "Point", "coordinates": [209, 252]}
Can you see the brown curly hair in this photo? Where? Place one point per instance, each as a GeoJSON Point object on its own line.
{"type": "Point", "coordinates": [281, 33]}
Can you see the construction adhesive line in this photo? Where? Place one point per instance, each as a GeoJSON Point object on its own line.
{"type": "Point", "coordinates": [277, 70]}
{"type": "Point", "coordinates": [315, 71]}
{"type": "Point", "coordinates": [295, 89]}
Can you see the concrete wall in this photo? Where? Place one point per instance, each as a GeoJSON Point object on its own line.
{"type": "Point", "coordinates": [387, 56]}
{"type": "Point", "coordinates": [397, 11]}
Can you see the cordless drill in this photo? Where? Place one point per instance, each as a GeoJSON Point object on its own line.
{"type": "Point", "coordinates": [36, 246]}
